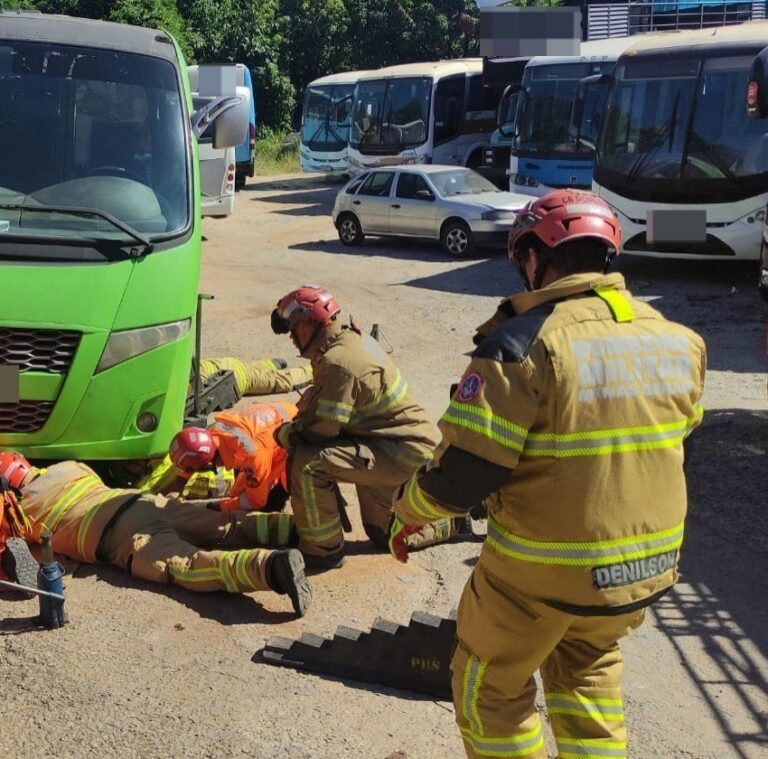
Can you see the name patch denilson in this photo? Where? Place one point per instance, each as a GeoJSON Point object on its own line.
{"type": "Point", "coordinates": [628, 572]}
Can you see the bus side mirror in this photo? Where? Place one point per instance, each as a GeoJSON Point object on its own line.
{"type": "Point", "coordinates": [757, 89]}
{"type": "Point", "coordinates": [343, 110]}
{"type": "Point", "coordinates": [577, 109]}
{"type": "Point", "coordinates": [230, 118]}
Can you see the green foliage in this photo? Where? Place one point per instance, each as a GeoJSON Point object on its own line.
{"type": "Point", "coordinates": [288, 43]}
{"type": "Point", "coordinates": [276, 153]}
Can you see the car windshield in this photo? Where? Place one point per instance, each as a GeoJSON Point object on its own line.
{"type": "Point", "coordinates": [92, 129]}
{"type": "Point", "coordinates": [544, 109]}
{"type": "Point", "coordinates": [326, 116]}
{"type": "Point", "coordinates": [461, 182]}
{"type": "Point", "coordinates": [681, 127]}
{"type": "Point", "coordinates": [391, 115]}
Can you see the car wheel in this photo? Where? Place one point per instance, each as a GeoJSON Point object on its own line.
{"type": "Point", "coordinates": [457, 239]}
{"type": "Point", "coordinates": [350, 231]}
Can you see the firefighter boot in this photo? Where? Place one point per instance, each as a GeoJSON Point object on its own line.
{"type": "Point", "coordinates": [285, 575]}
{"type": "Point", "coordinates": [19, 564]}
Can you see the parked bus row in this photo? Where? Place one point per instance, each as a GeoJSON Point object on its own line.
{"type": "Point", "coordinates": [653, 123]}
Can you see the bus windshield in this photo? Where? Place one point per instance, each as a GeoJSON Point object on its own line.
{"type": "Point", "coordinates": [391, 115]}
{"type": "Point", "coordinates": [326, 116]}
{"type": "Point", "coordinates": [544, 110]}
{"type": "Point", "coordinates": [683, 122]}
{"type": "Point", "coordinates": [93, 129]}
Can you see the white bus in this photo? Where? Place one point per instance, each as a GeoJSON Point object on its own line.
{"type": "Point", "coordinates": [677, 136]}
{"type": "Point", "coordinates": [325, 120]}
{"type": "Point", "coordinates": [218, 166]}
{"type": "Point", "coordinates": [422, 113]}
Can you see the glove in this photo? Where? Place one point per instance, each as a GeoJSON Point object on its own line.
{"type": "Point", "coordinates": [398, 534]}
{"type": "Point", "coordinates": [283, 436]}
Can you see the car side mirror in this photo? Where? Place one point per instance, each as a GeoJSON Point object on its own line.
{"type": "Point", "coordinates": [424, 195]}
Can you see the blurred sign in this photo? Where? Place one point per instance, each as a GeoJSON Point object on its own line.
{"type": "Point", "coordinates": [527, 32]}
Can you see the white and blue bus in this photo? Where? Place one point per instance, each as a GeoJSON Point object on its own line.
{"type": "Point", "coordinates": [677, 136]}
{"type": "Point", "coordinates": [544, 154]}
{"type": "Point", "coordinates": [325, 121]}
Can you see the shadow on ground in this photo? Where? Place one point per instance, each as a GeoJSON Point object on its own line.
{"type": "Point", "coordinates": [715, 617]}
{"type": "Point", "coordinates": [226, 608]}
{"type": "Point", "coordinates": [315, 202]}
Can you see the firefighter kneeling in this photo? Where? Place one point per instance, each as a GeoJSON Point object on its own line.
{"type": "Point", "coordinates": [157, 539]}
{"type": "Point", "coordinates": [569, 423]}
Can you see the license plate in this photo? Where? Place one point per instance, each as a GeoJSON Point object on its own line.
{"type": "Point", "coordinates": [9, 383]}
{"type": "Point", "coordinates": [678, 226]}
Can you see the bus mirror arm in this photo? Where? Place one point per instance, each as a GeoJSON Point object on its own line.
{"type": "Point", "coordinates": [212, 112]}
{"type": "Point", "coordinates": [577, 109]}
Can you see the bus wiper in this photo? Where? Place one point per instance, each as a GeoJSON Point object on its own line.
{"type": "Point", "coordinates": [667, 130]}
{"type": "Point", "coordinates": [146, 244]}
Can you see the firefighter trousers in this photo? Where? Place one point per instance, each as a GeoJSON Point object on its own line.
{"type": "Point", "coordinates": [260, 377]}
{"type": "Point", "coordinates": [377, 468]}
{"type": "Point", "coordinates": [504, 636]}
{"type": "Point", "coordinates": [187, 544]}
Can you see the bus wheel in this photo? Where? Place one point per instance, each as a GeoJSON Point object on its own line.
{"type": "Point", "coordinates": [457, 239]}
{"type": "Point", "coordinates": [350, 231]}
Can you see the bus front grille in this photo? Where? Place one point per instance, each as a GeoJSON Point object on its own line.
{"type": "Point", "coordinates": [38, 350]}
{"type": "Point", "coordinates": [27, 416]}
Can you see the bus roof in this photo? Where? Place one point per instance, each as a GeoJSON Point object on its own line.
{"type": "Point", "coordinates": [597, 50]}
{"type": "Point", "coordinates": [67, 30]}
{"type": "Point", "coordinates": [750, 34]}
{"type": "Point", "coordinates": [435, 69]}
{"type": "Point", "coordinates": [344, 77]}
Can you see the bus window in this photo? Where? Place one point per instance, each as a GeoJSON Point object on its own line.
{"type": "Point", "coordinates": [449, 107]}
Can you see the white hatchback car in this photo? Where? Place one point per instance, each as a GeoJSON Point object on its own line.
{"type": "Point", "coordinates": [451, 204]}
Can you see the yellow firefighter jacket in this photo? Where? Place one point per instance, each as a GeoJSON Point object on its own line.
{"type": "Point", "coordinates": [575, 409]}
{"type": "Point", "coordinates": [162, 477]}
{"type": "Point", "coordinates": [358, 392]}
{"type": "Point", "coordinates": [72, 502]}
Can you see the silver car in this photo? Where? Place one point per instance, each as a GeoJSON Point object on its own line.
{"type": "Point", "coordinates": [454, 205]}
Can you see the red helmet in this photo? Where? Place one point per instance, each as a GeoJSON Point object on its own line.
{"type": "Point", "coordinates": [14, 467]}
{"type": "Point", "coordinates": [308, 303]}
{"type": "Point", "coordinates": [193, 449]}
{"type": "Point", "coordinates": [564, 215]}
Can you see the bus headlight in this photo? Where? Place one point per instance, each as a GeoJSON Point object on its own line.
{"type": "Point", "coordinates": [129, 343]}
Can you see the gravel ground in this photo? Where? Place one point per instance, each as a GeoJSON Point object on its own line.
{"type": "Point", "coordinates": [153, 671]}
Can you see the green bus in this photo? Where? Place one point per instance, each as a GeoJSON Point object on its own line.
{"type": "Point", "coordinates": [99, 235]}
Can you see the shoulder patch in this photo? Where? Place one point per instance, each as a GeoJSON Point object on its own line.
{"type": "Point", "coordinates": [512, 340]}
{"type": "Point", "coordinates": [470, 387]}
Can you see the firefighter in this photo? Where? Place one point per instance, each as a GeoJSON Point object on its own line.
{"type": "Point", "coordinates": [266, 376]}
{"type": "Point", "coordinates": [357, 424]}
{"type": "Point", "coordinates": [568, 423]}
{"type": "Point", "coordinates": [157, 539]}
{"type": "Point", "coordinates": [16, 561]}
{"type": "Point", "coordinates": [240, 441]}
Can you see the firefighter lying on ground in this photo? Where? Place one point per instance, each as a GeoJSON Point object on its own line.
{"type": "Point", "coordinates": [569, 423]}
{"type": "Point", "coordinates": [358, 424]}
{"type": "Point", "coordinates": [157, 539]}
{"type": "Point", "coordinates": [16, 562]}
{"type": "Point", "coordinates": [266, 376]}
{"type": "Point", "coordinates": [240, 441]}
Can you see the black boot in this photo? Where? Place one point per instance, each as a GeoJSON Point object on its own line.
{"type": "Point", "coordinates": [285, 575]}
{"type": "Point", "coordinates": [321, 563]}
{"type": "Point", "coordinates": [280, 363]}
{"type": "Point", "coordinates": [19, 564]}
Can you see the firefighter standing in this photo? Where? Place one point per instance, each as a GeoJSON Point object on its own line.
{"type": "Point", "coordinates": [157, 539]}
{"type": "Point", "coordinates": [569, 424]}
{"type": "Point", "coordinates": [241, 441]}
{"type": "Point", "coordinates": [358, 424]}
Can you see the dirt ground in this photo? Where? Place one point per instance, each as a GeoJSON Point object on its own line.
{"type": "Point", "coordinates": [145, 671]}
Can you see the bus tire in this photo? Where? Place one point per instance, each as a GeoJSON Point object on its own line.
{"type": "Point", "coordinates": [349, 229]}
{"type": "Point", "coordinates": [457, 239]}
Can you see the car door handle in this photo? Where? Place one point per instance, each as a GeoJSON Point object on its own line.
{"type": "Point", "coordinates": [355, 202]}
{"type": "Point", "coordinates": [395, 205]}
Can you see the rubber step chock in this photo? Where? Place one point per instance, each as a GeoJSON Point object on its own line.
{"type": "Point", "coordinates": [413, 657]}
